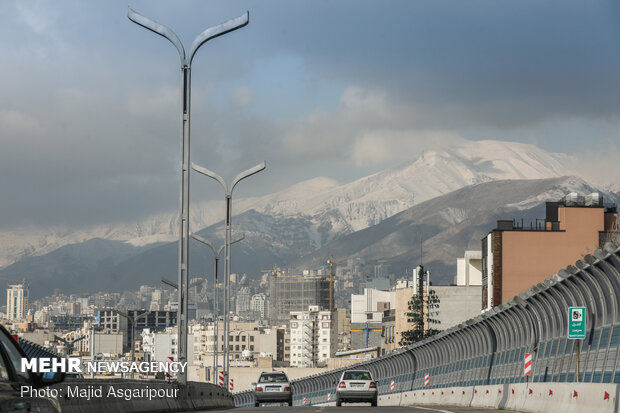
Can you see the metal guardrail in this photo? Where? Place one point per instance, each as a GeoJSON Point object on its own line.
{"type": "Point", "coordinates": [489, 349]}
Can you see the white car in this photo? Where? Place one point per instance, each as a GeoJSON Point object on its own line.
{"type": "Point", "coordinates": [356, 386]}
{"type": "Point", "coordinates": [272, 387]}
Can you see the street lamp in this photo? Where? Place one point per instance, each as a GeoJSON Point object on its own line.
{"type": "Point", "coordinates": [216, 254]}
{"type": "Point", "coordinates": [132, 320]}
{"type": "Point", "coordinates": [186, 62]}
{"type": "Point", "coordinates": [228, 190]}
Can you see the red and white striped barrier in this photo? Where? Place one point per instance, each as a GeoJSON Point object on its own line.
{"type": "Point", "coordinates": [329, 396]}
{"type": "Point", "coordinates": [304, 401]}
{"type": "Point", "coordinates": [392, 385]}
{"type": "Point", "coordinates": [168, 375]}
{"type": "Point", "coordinates": [427, 379]}
{"type": "Point", "coordinates": [220, 378]}
{"type": "Point", "coordinates": [527, 367]}
{"type": "Point", "coordinates": [231, 384]}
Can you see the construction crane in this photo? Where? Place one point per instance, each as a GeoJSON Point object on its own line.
{"type": "Point", "coordinates": [331, 263]}
{"type": "Point", "coordinates": [275, 270]}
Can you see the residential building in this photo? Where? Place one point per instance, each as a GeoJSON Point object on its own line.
{"type": "Point", "coordinates": [242, 301]}
{"type": "Point", "coordinates": [161, 345]}
{"type": "Point", "coordinates": [314, 336]}
{"type": "Point", "coordinates": [515, 257]}
{"type": "Point", "coordinates": [258, 303]}
{"type": "Point", "coordinates": [17, 301]}
{"type": "Point", "coordinates": [344, 329]}
{"type": "Point", "coordinates": [246, 341]}
{"type": "Point", "coordinates": [388, 333]}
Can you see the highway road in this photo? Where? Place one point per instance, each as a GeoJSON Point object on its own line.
{"type": "Point", "coordinates": [359, 408]}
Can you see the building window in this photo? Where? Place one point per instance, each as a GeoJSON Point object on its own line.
{"type": "Point", "coordinates": [242, 338]}
{"type": "Point", "coordinates": [293, 325]}
{"type": "Point", "coordinates": [236, 338]}
{"type": "Point", "coordinates": [368, 316]}
{"type": "Point", "coordinates": [251, 347]}
{"type": "Point", "coordinates": [326, 324]}
{"type": "Point", "coordinates": [251, 338]}
{"type": "Point", "coordinates": [237, 347]}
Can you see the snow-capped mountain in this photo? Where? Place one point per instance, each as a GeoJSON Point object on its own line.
{"type": "Point", "coordinates": [330, 209]}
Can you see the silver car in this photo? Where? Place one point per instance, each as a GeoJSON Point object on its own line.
{"type": "Point", "coordinates": [272, 387]}
{"type": "Point", "coordinates": [356, 386]}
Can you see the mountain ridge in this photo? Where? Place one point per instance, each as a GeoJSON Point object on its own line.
{"type": "Point", "coordinates": [331, 208]}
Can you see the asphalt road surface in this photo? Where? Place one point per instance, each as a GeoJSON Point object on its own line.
{"type": "Point", "coordinates": [359, 408]}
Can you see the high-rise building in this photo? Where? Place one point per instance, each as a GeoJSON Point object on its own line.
{"type": "Point", "coordinates": [258, 303]}
{"type": "Point", "coordinates": [242, 302]}
{"type": "Point", "coordinates": [289, 293]}
{"type": "Point", "coordinates": [17, 301]}
{"type": "Point", "coordinates": [314, 336]}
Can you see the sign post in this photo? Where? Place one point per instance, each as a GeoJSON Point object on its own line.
{"type": "Point", "coordinates": [577, 330]}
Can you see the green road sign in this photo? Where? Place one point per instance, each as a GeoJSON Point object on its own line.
{"type": "Point", "coordinates": [576, 322]}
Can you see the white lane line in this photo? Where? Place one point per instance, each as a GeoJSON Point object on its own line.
{"type": "Point", "coordinates": [434, 410]}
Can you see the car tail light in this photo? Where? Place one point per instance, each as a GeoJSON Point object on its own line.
{"type": "Point", "coordinates": [373, 385]}
{"type": "Point", "coordinates": [259, 389]}
{"type": "Point", "coordinates": [287, 389]}
{"type": "Point", "coordinates": [342, 385]}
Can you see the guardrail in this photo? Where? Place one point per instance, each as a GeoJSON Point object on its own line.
{"type": "Point", "coordinates": [489, 349]}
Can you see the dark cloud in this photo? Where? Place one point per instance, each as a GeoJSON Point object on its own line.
{"type": "Point", "coordinates": [89, 122]}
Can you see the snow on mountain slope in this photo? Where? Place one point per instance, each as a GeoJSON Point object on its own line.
{"type": "Point", "coordinates": [331, 208]}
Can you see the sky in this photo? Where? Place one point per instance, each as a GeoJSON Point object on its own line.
{"type": "Point", "coordinates": [89, 101]}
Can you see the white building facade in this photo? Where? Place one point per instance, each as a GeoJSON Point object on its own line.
{"type": "Point", "coordinates": [17, 302]}
{"type": "Point", "coordinates": [314, 337]}
{"type": "Point", "coordinates": [370, 306]}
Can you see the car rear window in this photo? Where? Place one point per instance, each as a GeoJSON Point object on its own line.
{"type": "Point", "coordinates": [273, 378]}
{"type": "Point", "coordinates": [356, 375]}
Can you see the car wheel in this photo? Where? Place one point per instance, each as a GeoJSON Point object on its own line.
{"type": "Point", "coordinates": [338, 402]}
{"type": "Point", "coordinates": [373, 402]}
{"type": "Point", "coordinates": [256, 404]}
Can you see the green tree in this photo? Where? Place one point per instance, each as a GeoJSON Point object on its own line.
{"type": "Point", "coordinates": [417, 315]}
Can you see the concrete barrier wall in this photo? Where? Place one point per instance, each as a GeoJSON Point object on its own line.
{"type": "Point", "coordinates": [523, 397]}
{"type": "Point", "coordinates": [193, 396]}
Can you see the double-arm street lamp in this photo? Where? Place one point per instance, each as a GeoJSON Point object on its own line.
{"type": "Point", "coordinates": [228, 190]}
{"type": "Point", "coordinates": [216, 255]}
{"type": "Point", "coordinates": [132, 319]}
{"type": "Point", "coordinates": [186, 61]}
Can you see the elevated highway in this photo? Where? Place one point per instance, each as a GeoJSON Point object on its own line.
{"type": "Point", "coordinates": [481, 361]}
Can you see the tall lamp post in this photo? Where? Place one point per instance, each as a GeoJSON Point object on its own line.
{"type": "Point", "coordinates": [228, 190]}
{"type": "Point", "coordinates": [186, 62]}
{"type": "Point", "coordinates": [216, 254]}
{"type": "Point", "coordinates": [132, 319]}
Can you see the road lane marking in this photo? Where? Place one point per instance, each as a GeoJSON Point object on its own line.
{"type": "Point", "coordinates": [434, 410]}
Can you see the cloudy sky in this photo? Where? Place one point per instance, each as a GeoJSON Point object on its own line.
{"type": "Point", "coordinates": [89, 101]}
